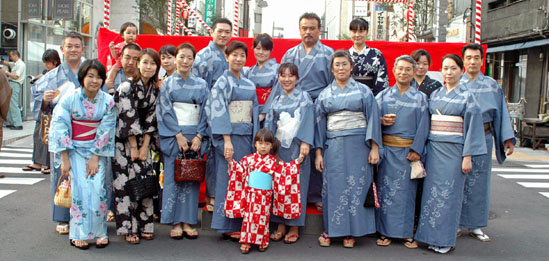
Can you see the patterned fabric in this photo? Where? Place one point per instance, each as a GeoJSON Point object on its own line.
{"type": "Point", "coordinates": [209, 64]}
{"type": "Point", "coordinates": [265, 78]}
{"type": "Point", "coordinates": [254, 204]}
{"type": "Point", "coordinates": [427, 86]}
{"type": "Point", "coordinates": [135, 106]}
{"type": "Point", "coordinates": [370, 63]}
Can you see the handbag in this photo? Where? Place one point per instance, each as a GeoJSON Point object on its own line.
{"type": "Point", "coordinates": [189, 169]}
{"type": "Point", "coordinates": [63, 197]}
{"type": "Point", "coordinates": [418, 171]}
{"type": "Point", "coordinates": [141, 187]}
{"type": "Point", "coordinates": [371, 197]}
{"type": "Point", "coordinates": [45, 122]}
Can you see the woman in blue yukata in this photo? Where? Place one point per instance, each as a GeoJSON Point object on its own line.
{"type": "Point", "coordinates": [457, 134]}
{"type": "Point", "coordinates": [233, 113]}
{"type": "Point", "coordinates": [181, 126]}
{"type": "Point", "coordinates": [291, 117]}
{"type": "Point", "coordinates": [348, 132]}
{"type": "Point", "coordinates": [82, 132]}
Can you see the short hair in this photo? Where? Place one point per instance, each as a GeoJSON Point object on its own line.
{"type": "Point", "coordinates": [236, 45]}
{"type": "Point", "coordinates": [342, 53]}
{"type": "Point", "coordinates": [125, 26]}
{"type": "Point", "coordinates": [156, 58]}
{"type": "Point", "coordinates": [472, 46]}
{"type": "Point", "coordinates": [310, 16]}
{"type": "Point", "coordinates": [167, 49]}
{"type": "Point", "coordinates": [15, 52]}
{"type": "Point", "coordinates": [221, 20]}
{"type": "Point", "coordinates": [131, 46]}
{"type": "Point", "coordinates": [289, 66]}
{"type": "Point", "coordinates": [265, 40]}
{"type": "Point", "coordinates": [75, 35]}
{"type": "Point", "coordinates": [51, 56]}
{"type": "Point", "coordinates": [421, 52]}
{"type": "Point", "coordinates": [186, 46]}
{"type": "Point", "coordinates": [88, 65]}
{"type": "Point", "coordinates": [406, 58]}
{"type": "Point", "coordinates": [454, 57]}
{"type": "Point", "coordinates": [358, 24]}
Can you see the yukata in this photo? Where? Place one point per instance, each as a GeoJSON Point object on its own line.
{"type": "Point", "coordinates": [370, 68]}
{"type": "Point", "coordinates": [314, 74]}
{"type": "Point", "coordinates": [180, 109]}
{"type": "Point", "coordinates": [299, 107]}
{"type": "Point", "coordinates": [135, 105]}
{"type": "Point", "coordinates": [456, 132]}
{"type": "Point", "coordinates": [497, 126]}
{"type": "Point", "coordinates": [52, 80]}
{"type": "Point", "coordinates": [395, 190]}
{"type": "Point", "coordinates": [232, 110]}
{"type": "Point", "coordinates": [210, 64]}
{"type": "Point", "coordinates": [265, 79]}
{"type": "Point", "coordinates": [253, 183]}
{"type": "Point", "coordinates": [85, 128]}
{"type": "Point", "coordinates": [347, 122]}
{"type": "Point", "coordinates": [40, 154]}
{"type": "Point", "coordinates": [427, 86]}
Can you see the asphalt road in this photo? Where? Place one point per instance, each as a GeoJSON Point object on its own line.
{"type": "Point", "coordinates": [519, 229]}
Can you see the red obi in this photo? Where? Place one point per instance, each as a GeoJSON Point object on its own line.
{"type": "Point", "coordinates": [84, 130]}
{"type": "Point", "coordinates": [263, 94]}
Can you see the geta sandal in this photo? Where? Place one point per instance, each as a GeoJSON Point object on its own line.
{"type": "Point", "coordinates": [83, 247]}
{"type": "Point", "coordinates": [132, 239]}
{"type": "Point", "coordinates": [349, 242]}
{"type": "Point", "coordinates": [410, 243]}
{"type": "Point", "coordinates": [324, 240]}
{"type": "Point", "coordinates": [383, 241]}
{"type": "Point", "coordinates": [99, 243]}
{"type": "Point", "coordinates": [291, 238]}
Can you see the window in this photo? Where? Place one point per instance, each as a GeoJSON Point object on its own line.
{"type": "Point", "coordinates": [497, 4]}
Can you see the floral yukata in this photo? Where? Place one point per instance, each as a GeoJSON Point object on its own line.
{"type": "Point", "coordinates": [136, 105]}
{"type": "Point", "coordinates": [84, 128]}
{"type": "Point", "coordinates": [252, 200]}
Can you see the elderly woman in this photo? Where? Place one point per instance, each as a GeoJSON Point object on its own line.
{"type": "Point", "coordinates": [181, 126]}
{"type": "Point", "coordinates": [82, 132]}
{"type": "Point", "coordinates": [136, 105]}
{"type": "Point", "coordinates": [457, 134]}
{"type": "Point", "coordinates": [291, 117]}
{"type": "Point", "coordinates": [347, 136]}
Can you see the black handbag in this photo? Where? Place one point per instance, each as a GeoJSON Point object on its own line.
{"type": "Point", "coordinates": [141, 187]}
{"type": "Point", "coordinates": [371, 197]}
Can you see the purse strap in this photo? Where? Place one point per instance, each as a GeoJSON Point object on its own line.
{"type": "Point", "coordinates": [61, 178]}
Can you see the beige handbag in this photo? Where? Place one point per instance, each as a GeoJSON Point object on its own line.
{"type": "Point", "coordinates": [63, 197]}
{"type": "Point", "coordinates": [45, 120]}
{"type": "Point", "coordinates": [418, 171]}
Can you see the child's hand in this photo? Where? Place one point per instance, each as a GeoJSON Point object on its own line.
{"type": "Point", "coordinates": [111, 45]}
{"type": "Point", "coordinates": [300, 159]}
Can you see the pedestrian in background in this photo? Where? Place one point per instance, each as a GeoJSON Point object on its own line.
{"type": "Point", "coordinates": [16, 79]}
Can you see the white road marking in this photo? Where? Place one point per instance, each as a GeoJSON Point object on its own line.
{"type": "Point", "coordinates": [516, 170]}
{"type": "Point", "coordinates": [20, 181]}
{"type": "Point", "coordinates": [4, 155]}
{"type": "Point", "coordinates": [14, 161]}
{"type": "Point", "coordinates": [545, 194]}
{"type": "Point", "coordinates": [5, 192]}
{"type": "Point", "coordinates": [4, 149]}
{"type": "Point", "coordinates": [537, 166]}
{"type": "Point", "coordinates": [17, 170]}
{"type": "Point", "coordinates": [523, 176]}
{"type": "Point", "coordinates": [534, 184]}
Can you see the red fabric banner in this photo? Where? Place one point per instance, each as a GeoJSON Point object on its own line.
{"type": "Point", "coordinates": [390, 50]}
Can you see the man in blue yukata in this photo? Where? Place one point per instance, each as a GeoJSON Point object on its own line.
{"type": "Point", "coordinates": [498, 132]}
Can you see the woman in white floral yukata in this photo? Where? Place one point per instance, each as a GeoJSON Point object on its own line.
{"type": "Point", "coordinates": [83, 133]}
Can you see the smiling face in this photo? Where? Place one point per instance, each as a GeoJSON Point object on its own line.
{"type": "Point", "coordinates": [422, 66]}
{"type": "Point", "coordinates": [309, 31]}
{"type": "Point", "coordinates": [359, 36]}
{"type": "Point", "coordinates": [451, 72]}
{"type": "Point", "coordinates": [236, 59]}
{"type": "Point", "coordinates": [404, 72]}
{"type": "Point", "coordinates": [72, 50]}
{"type": "Point", "coordinates": [147, 67]}
{"type": "Point", "coordinates": [261, 55]}
{"type": "Point", "coordinates": [184, 61]}
{"type": "Point", "coordinates": [92, 82]}
{"type": "Point", "coordinates": [168, 62]}
{"type": "Point", "coordinates": [263, 147]}
{"type": "Point", "coordinates": [342, 68]}
{"type": "Point", "coordinates": [287, 80]}
{"type": "Point", "coordinates": [221, 35]}
{"type": "Point", "coordinates": [130, 35]}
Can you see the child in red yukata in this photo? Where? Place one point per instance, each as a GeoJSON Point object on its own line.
{"type": "Point", "coordinates": [253, 183]}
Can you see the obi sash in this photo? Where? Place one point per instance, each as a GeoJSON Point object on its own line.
{"type": "Point", "coordinates": [446, 125]}
{"type": "Point", "coordinates": [487, 129]}
{"type": "Point", "coordinates": [84, 130]}
{"type": "Point", "coordinates": [240, 111]}
{"type": "Point", "coordinates": [366, 80]}
{"type": "Point", "coordinates": [260, 180]}
{"type": "Point", "coordinates": [346, 120]}
{"type": "Point", "coordinates": [396, 141]}
{"type": "Point", "coordinates": [187, 114]}
{"type": "Point", "coordinates": [263, 94]}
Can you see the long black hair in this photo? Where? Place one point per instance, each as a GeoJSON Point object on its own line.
{"type": "Point", "coordinates": [267, 135]}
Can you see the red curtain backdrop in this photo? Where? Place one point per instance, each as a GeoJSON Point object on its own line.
{"type": "Point", "coordinates": [391, 50]}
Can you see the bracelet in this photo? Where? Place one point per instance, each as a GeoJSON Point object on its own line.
{"type": "Point", "coordinates": [199, 136]}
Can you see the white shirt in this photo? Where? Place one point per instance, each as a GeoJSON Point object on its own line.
{"type": "Point", "coordinates": [18, 68]}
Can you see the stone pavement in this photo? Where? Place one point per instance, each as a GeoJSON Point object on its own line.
{"type": "Point", "coordinates": [11, 136]}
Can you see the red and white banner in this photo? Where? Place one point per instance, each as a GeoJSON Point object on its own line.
{"type": "Point", "coordinates": [107, 14]}
{"type": "Point", "coordinates": [478, 20]}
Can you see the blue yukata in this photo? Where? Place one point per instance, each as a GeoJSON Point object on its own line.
{"type": "Point", "coordinates": [118, 79]}
{"type": "Point", "coordinates": [49, 82]}
{"type": "Point", "coordinates": [396, 191]}
{"type": "Point", "coordinates": [314, 74]}
{"type": "Point", "coordinates": [210, 64]}
{"type": "Point", "coordinates": [476, 197]}
{"type": "Point", "coordinates": [297, 103]}
{"type": "Point", "coordinates": [347, 121]}
{"type": "Point", "coordinates": [370, 68]}
{"type": "Point", "coordinates": [447, 144]}
{"type": "Point", "coordinates": [265, 79]}
{"type": "Point", "coordinates": [232, 110]}
{"type": "Point", "coordinates": [180, 109]}
{"type": "Point", "coordinates": [85, 128]}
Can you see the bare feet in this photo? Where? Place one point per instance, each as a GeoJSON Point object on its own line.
{"type": "Point", "coordinates": [280, 232]}
{"type": "Point", "coordinates": [292, 236]}
{"type": "Point", "coordinates": [245, 248]}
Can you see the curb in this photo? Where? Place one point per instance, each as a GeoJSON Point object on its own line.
{"type": "Point", "coordinates": [9, 141]}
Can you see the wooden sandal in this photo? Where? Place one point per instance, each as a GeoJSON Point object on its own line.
{"type": "Point", "coordinates": [481, 237]}
{"type": "Point", "coordinates": [110, 216]}
{"type": "Point", "coordinates": [147, 236]}
{"type": "Point", "coordinates": [132, 239]}
{"type": "Point", "coordinates": [277, 236]}
{"type": "Point", "coordinates": [291, 238]}
{"type": "Point", "coordinates": [349, 242]}
{"type": "Point", "coordinates": [102, 242]}
{"type": "Point", "coordinates": [75, 242]}
{"type": "Point", "coordinates": [245, 248]}
{"type": "Point", "coordinates": [410, 243]}
{"type": "Point", "coordinates": [383, 241]}
{"type": "Point", "coordinates": [263, 248]}
{"type": "Point", "coordinates": [62, 229]}
{"type": "Point", "coordinates": [324, 240]}
{"type": "Point", "coordinates": [188, 231]}
{"type": "Point", "coordinates": [176, 233]}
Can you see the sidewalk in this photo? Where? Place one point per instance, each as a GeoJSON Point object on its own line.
{"type": "Point", "coordinates": [11, 136]}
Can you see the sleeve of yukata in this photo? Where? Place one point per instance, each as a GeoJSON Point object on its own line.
{"type": "Point", "coordinates": [371, 111]}
{"type": "Point", "coordinates": [287, 190]}
{"type": "Point", "coordinates": [150, 125]}
{"type": "Point", "coordinates": [255, 117]}
{"type": "Point", "coordinates": [503, 129]}
{"type": "Point", "coordinates": [306, 131]}
{"type": "Point", "coordinates": [218, 105]}
{"type": "Point", "coordinates": [60, 138]}
{"type": "Point", "coordinates": [167, 120]}
{"type": "Point", "coordinates": [203, 121]}
{"type": "Point", "coordinates": [275, 92]}
{"type": "Point", "coordinates": [128, 119]}
{"type": "Point", "coordinates": [423, 126]}
{"type": "Point", "coordinates": [379, 101]}
{"type": "Point", "coordinates": [320, 124]}
{"type": "Point", "coordinates": [200, 67]}
{"type": "Point", "coordinates": [381, 79]}
{"type": "Point", "coordinates": [103, 144]}
{"type": "Point", "coordinates": [474, 143]}
{"type": "Point", "coordinates": [270, 121]}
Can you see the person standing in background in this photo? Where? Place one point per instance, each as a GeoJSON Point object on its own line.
{"type": "Point", "coordinates": [16, 79]}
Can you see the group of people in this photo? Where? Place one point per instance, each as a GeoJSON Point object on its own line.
{"type": "Point", "coordinates": [312, 129]}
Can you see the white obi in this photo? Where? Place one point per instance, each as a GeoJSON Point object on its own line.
{"type": "Point", "coordinates": [288, 127]}
{"type": "Point", "coordinates": [240, 111]}
{"type": "Point", "coordinates": [346, 120]}
{"type": "Point", "coordinates": [187, 114]}
{"type": "Point", "coordinates": [446, 125]}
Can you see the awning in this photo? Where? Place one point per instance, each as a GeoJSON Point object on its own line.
{"type": "Point", "coordinates": [517, 46]}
